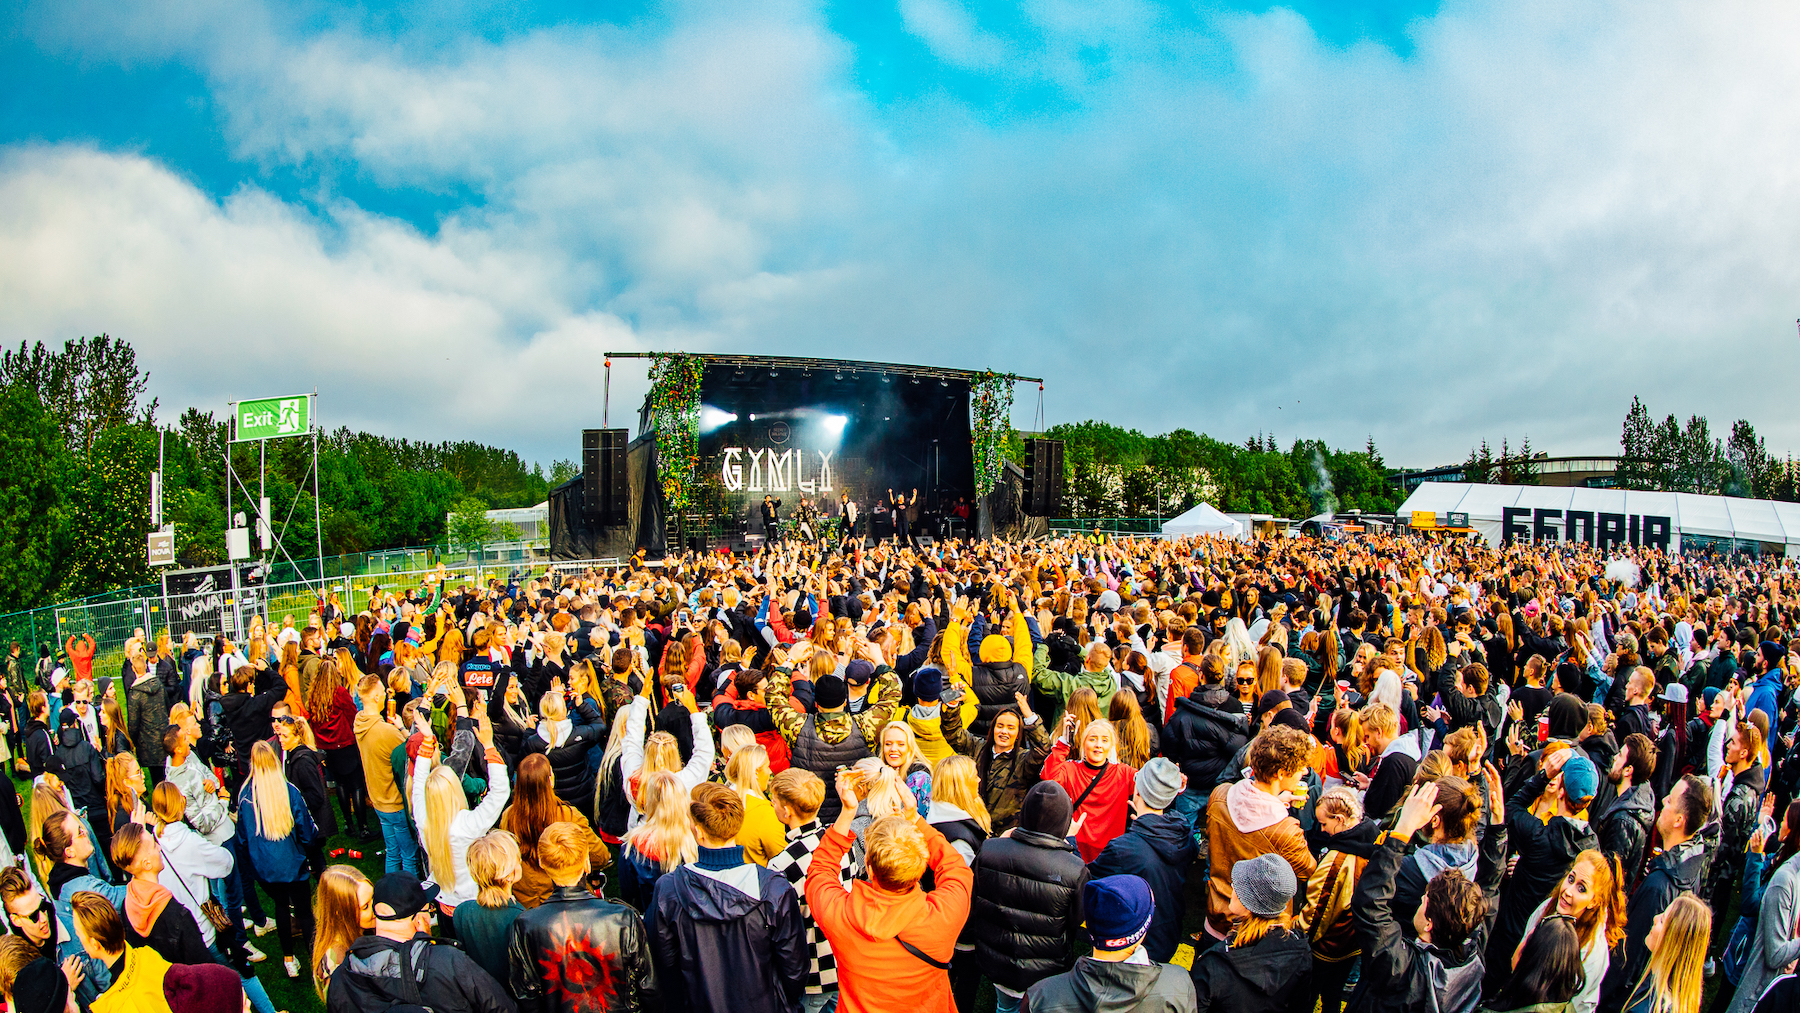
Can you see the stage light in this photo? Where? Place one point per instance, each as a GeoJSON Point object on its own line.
{"type": "Point", "coordinates": [835, 423]}
{"type": "Point", "coordinates": [712, 418]}
{"type": "Point", "coordinates": [753, 416]}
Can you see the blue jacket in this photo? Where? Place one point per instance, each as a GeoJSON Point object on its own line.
{"type": "Point", "coordinates": [1159, 848]}
{"type": "Point", "coordinates": [1765, 696]}
{"type": "Point", "coordinates": [278, 861]}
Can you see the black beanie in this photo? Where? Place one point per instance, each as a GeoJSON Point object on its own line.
{"type": "Point", "coordinates": [1046, 809]}
{"type": "Point", "coordinates": [830, 691]}
{"type": "Point", "coordinates": [40, 988]}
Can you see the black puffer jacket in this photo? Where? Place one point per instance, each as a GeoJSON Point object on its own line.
{"type": "Point", "coordinates": [80, 766]}
{"type": "Point", "coordinates": [1271, 975]}
{"type": "Point", "coordinates": [1624, 828]}
{"type": "Point", "coordinates": [1202, 737]}
{"type": "Point", "coordinates": [994, 684]}
{"type": "Point", "coordinates": [573, 929]}
{"type": "Point", "coordinates": [1027, 907]}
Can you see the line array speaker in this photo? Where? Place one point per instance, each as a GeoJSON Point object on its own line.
{"type": "Point", "coordinates": [605, 489]}
{"type": "Point", "coordinates": [1043, 478]}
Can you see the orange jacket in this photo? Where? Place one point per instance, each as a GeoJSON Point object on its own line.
{"type": "Point", "coordinates": [81, 657]}
{"type": "Point", "coordinates": [1182, 680]}
{"type": "Point", "coordinates": [874, 971]}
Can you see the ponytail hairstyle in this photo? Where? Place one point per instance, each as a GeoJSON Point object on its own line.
{"type": "Point", "coordinates": [169, 805]}
{"type": "Point", "coordinates": [120, 795]}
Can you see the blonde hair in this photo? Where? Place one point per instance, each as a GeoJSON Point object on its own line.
{"type": "Point", "coordinates": [169, 805]}
{"type": "Point", "coordinates": [268, 787]}
{"type": "Point", "coordinates": [956, 781]}
{"type": "Point", "coordinates": [799, 789]}
{"type": "Point", "coordinates": [1674, 975]}
{"type": "Point", "coordinates": [912, 754]}
{"type": "Point", "coordinates": [303, 729]}
{"type": "Point", "coordinates": [444, 799]}
{"type": "Point", "coordinates": [748, 770]}
{"type": "Point", "coordinates": [896, 853]}
{"type": "Point", "coordinates": [561, 851]}
{"type": "Point", "coordinates": [880, 786]}
{"type": "Point", "coordinates": [1380, 719]}
{"type": "Point", "coordinates": [337, 914]}
{"type": "Point", "coordinates": [662, 755]}
{"type": "Point", "coordinates": [666, 836]}
{"type": "Point", "coordinates": [733, 738]}
{"type": "Point", "coordinates": [494, 864]}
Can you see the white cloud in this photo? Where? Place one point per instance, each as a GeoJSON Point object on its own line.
{"type": "Point", "coordinates": [1539, 212]}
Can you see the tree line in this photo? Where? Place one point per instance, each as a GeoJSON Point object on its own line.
{"type": "Point", "coordinates": [1115, 472]}
{"type": "Point", "coordinates": [1670, 456]}
{"type": "Point", "coordinates": [79, 439]}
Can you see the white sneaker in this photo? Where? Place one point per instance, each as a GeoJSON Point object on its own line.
{"type": "Point", "coordinates": [292, 965]}
{"type": "Point", "coordinates": [254, 955]}
{"type": "Point", "coordinates": [266, 927]}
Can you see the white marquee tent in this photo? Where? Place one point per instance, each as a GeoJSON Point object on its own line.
{"type": "Point", "coordinates": [1202, 520]}
{"type": "Point", "coordinates": [1560, 513]}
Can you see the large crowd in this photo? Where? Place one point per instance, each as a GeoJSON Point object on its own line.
{"type": "Point", "coordinates": [1381, 773]}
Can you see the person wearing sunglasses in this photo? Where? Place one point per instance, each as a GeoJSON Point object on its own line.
{"type": "Point", "coordinates": [31, 916]}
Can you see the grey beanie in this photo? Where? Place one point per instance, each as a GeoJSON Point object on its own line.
{"type": "Point", "coordinates": [1265, 885]}
{"type": "Point", "coordinates": [1159, 781]}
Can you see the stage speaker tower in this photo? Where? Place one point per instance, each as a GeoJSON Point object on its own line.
{"type": "Point", "coordinates": [605, 489]}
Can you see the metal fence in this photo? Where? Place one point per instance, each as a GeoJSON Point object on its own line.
{"type": "Point", "coordinates": [1114, 525]}
{"type": "Point", "coordinates": [114, 618]}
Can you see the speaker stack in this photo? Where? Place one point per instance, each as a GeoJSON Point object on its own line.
{"type": "Point", "coordinates": [605, 488]}
{"type": "Point", "coordinates": [1043, 478]}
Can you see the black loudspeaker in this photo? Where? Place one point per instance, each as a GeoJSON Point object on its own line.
{"type": "Point", "coordinates": [605, 488]}
{"type": "Point", "coordinates": [1043, 478]}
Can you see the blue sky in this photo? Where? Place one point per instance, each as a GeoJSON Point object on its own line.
{"type": "Point", "coordinates": [1433, 223]}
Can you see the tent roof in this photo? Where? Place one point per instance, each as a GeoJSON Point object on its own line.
{"type": "Point", "coordinates": [1203, 519]}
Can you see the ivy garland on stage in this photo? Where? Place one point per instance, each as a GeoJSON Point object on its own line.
{"type": "Point", "coordinates": [675, 411]}
{"type": "Point", "coordinates": [990, 400]}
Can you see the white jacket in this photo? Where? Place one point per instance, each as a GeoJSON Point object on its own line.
{"type": "Point", "coordinates": [631, 760]}
{"type": "Point", "coordinates": [465, 827]}
{"type": "Point", "coordinates": [190, 863]}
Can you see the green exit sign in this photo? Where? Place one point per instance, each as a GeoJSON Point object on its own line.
{"type": "Point", "coordinates": [273, 417]}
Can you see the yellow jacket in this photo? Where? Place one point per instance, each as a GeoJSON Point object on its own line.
{"type": "Point", "coordinates": [930, 733]}
{"type": "Point", "coordinates": [762, 835]}
{"type": "Point", "coordinates": [139, 987]}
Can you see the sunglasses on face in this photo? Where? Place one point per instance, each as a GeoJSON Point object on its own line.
{"type": "Point", "coordinates": [1246, 682]}
{"type": "Point", "coordinates": [35, 913]}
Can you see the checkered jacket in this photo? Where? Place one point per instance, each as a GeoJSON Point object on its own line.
{"type": "Point", "coordinates": [792, 863]}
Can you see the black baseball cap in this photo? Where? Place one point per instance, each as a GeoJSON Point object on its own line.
{"type": "Point", "coordinates": [400, 895]}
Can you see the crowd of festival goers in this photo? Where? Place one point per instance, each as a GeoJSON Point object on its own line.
{"type": "Point", "coordinates": [1386, 774]}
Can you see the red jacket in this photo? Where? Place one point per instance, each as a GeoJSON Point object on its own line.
{"type": "Point", "coordinates": [876, 973]}
{"type": "Point", "coordinates": [1182, 680]}
{"type": "Point", "coordinates": [337, 730]}
{"type": "Point", "coordinates": [728, 710]}
{"type": "Point", "coordinates": [1106, 806]}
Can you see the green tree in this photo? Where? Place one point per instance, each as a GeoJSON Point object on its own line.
{"type": "Point", "coordinates": [1635, 448]}
{"type": "Point", "coordinates": [470, 527]}
{"type": "Point", "coordinates": [34, 513]}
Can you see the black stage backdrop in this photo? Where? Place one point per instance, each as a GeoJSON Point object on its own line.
{"type": "Point", "coordinates": [819, 433]}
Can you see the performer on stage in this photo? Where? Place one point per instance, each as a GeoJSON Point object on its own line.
{"type": "Point", "coordinates": [902, 527]}
{"type": "Point", "coordinates": [771, 519]}
{"type": "Point", "coordinates": [803, 519]}
{"type": "Point", "coordinates": [847, 511]}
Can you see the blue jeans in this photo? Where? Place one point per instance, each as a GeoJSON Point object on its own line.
{"type": "Point", "coordinates": [1004, 1003]}
{"type": "Point", "coordinates": [397, 838]}
{"type": "Point", "coordinates": [824, 1002]}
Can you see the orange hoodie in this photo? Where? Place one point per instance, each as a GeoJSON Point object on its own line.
{"type": "Point", "coordinates": [876, 973]}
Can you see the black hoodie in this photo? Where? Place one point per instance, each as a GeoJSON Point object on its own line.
{"type": "Point", "coordinates": [1271, 975]}
{"type": "Point", "coordinates": [83, 769]}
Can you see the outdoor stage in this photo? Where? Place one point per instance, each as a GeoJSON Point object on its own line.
{"type": "Point", "coordinates": [814, 430]}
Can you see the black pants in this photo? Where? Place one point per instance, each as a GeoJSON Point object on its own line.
{"type": "Point", "coordinates": [293, 916]}
{"type": "Point", "coordinates": [1328, 982]}
{"type": "Point", "coordinates": [345, 767]}
{"type": "Point", "coordinates": [965, 979]}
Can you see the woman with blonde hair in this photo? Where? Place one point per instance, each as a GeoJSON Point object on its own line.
{"type": "Point", "coordinates": [956, 807]}
{"type": "Point", "coordinates": [275, 829]}
{"type": "Point", "coordinates": [190, 862]}
{"type": "Point", "coordinates": [762, 835]}
{"type": "Point", "coordinates": [661, 752]}
{"type": "Point", "coordinates": [1084, 703]}
{"type": "Point", "coordinates": [900, 753]}
{"type": "Point", "coordinates": [124, 794]}
{"type": "Point", "coordinates": [1677, 942]}
{"type": "Point", "coordinates": [661, 843]}
{"type": "Point", "coordinates": [1263, 890]}
{"type": "Point", "coordinates": [344, 910]}
{"type": "Point", "coordinates": [483, 924]}
{"type": "Point", "coordinates": [447, 826]}
{"type": "Point", "coordinates": [1268, 670]}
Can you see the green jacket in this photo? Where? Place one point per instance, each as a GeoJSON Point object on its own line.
{"type": "Point", "coordinates": [1062, 685]}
